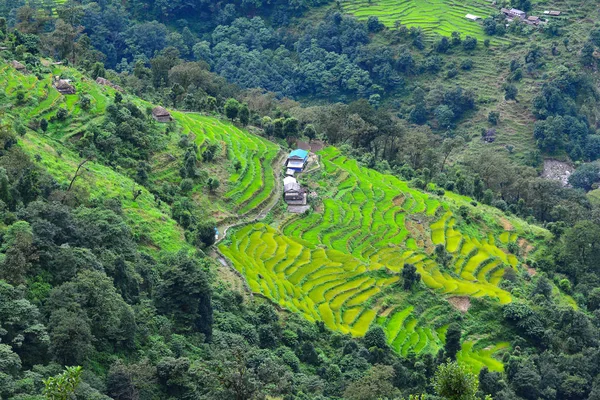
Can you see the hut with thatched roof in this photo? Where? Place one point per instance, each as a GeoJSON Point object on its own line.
{"type": "Point", "coordinates": [106, 82]}
{"type": "Point", "coordinates": [161, 114]}
{"type": "Point", "coordinates": [64, 86]}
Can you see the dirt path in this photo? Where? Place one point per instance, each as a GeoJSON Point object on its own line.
{"type": "Point", "coordinates": [258, 213]}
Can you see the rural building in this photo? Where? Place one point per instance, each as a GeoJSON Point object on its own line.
{"type": "Point", "coordinates": [289, 179]}
{"type": "Point", "coordinates": [18, 66]}
{"type": "Point", "coordinates": [514, 13]}
{"type": "Point", "coordinates": [64, 86]}
{"type": "Point", "coordinates": [106, 82]}
{"type": "Point", "coordinates": [552, 13]}
{"type": "Point", "coordinates": [161, 114]}
{"type": "Point", "coordinates": [297, 160]}
{"type": "Point", "coordinates": [289, 172]}
{"type": "Point", "coordinates": [472, 17]}
{"type": "Point", "coordinates": [294, 194]}
{"type": "Point", "coordinates": [533, 20]}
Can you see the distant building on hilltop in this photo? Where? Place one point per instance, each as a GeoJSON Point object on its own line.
{"type": "Point", "coordinates": [161, 114]}
{"type": "Point", "coordinates": [297, 160]}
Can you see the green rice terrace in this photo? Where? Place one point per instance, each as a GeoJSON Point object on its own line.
{"type": "Point", "coordinates": [340, 263]}
{"type": "Point", "coordinates": [434, 16]}
{"type": "Point", "coordinates": [245, 188]}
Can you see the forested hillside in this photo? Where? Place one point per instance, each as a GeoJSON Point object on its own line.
{"type": "Point", "coordinates": [449, 250]}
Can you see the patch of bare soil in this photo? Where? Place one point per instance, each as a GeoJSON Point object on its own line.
{"type": "Point", "coordinates": [398, 200]}
{"type": "Point", "coordinates": [461, 303]}
{"type": "Point", "coordinates": [531, 271]}
{"type": "Point", "coordinates": [506, 225]}
{"type": "Point", "coordinates": [386, 312]}
{"type": "Point", "coordinates": [525, 246]}
{"type": "Point", "coordinates": [559, 171]}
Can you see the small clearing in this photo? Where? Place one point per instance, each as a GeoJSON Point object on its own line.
{"type": "Point", "coordinates": [461, 303]}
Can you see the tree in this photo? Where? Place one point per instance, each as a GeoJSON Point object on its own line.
{"type": "Point", "coordinates": [410, 276]}
{"type": "Point", "coordinates": [44, 124]}
{"type": "Point", "coordinates": [452, 346]}
{"type": "Point", "coordinates": [213, 184]}
{"type": "Point", "coordinates": [62, 39]}
{"type": "Point", "coordinates": [62, 387]}
{"type": "Point", "coordinates": [442, 45]}
{"type": "Point", "coordinates": [469, 43]}
{"type": "Point", "coordinates": [374, 25]}
{"type": "Point", "coordinates": [310, 132]}
{"type": "Point", "coordinates": [70, 336]}
{"type": "Point", "coordinates": [375, 337]}
{"type": "Point", "coordinates": [374, 385]}
{"type": "Point", "coordinates": [455, 382]}
{"type": "Point", "coordinates": [244, 114]}
{"type": "Point", "coordinates": [510, 92]}
{"type": "Point", "coordinates": [185, 294]}
{"type": "Point", "coordinates": [585, 176]}
{"type": "Point", "coordinates": [493, 117]}
{"type": "Point", "coordinates": [98, 71]}
{"type": "Point", "coordinates": [290, 127]}
{"type": "Point", "coordinates": [232, 107]}
{"type": "Point", "coordinates": [444, 116]}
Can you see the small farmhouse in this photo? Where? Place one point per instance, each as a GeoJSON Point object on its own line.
{"type": "Point", "coordinates": [294, 194]}
{"type": "Point", "coordinates": [64, 86]}
{"type": "Point", "coordinates": [514, 13]}
{"type": "Point", "coordinates": [297, 160]}
{"type": "Point", "coordinates": [552, 13]}
{"type": "Point", "coordinates": [289, 172]}
{"type": "Point", "coordinates": [18, 66]}
{"type": "Point", "coordinates": [533, 20]}
{"type": "Point", "coordinates": [472, 17]}
{"type": "Point", "coordinates": [161, 114]}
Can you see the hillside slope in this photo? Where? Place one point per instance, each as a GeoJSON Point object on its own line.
{"type": "Point", "coordinates": [341, 264]}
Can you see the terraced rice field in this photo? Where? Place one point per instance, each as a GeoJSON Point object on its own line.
{"type": "Point", "coordinates": [254, 182]}
{"type": "Point", "coordinates": [336, 264]}
{"type": "Point", "coordinates": [434, 16]}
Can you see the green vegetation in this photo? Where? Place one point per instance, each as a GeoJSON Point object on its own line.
{"type": "Point", "coordinates": [438, 16]}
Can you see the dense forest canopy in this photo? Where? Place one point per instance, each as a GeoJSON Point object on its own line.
{"type": "Point", "coordinates": [111, 285]}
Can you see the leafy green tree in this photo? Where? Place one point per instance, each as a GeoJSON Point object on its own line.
{"type": "Point", "coordinates": [374, 385]}
{"type": "Point", "coordinates": [185, 294]}
{"type": "Point", "coordinates": [470, 43]}
{"type": "Point", "coordinates": [410, 276]}
{"type": "Point", "coordinates": [244, 114]}
{"type": "Point", "coordinates": [454, 382]}
{"type": "Point", "coordinates": [290, 127]}
{"type": "Point", "coordinates": [70, 336]}
{"type": "Point", "coordinates": [452, 345]}
{"type": "Point", "coordinates": [510, 92]}
{"type": "Point", "coordinates": [375, 337]}
{"type": "Point", "coordinates": [62, 387]}
{"type": "Point", "coordinates": [232, 107]}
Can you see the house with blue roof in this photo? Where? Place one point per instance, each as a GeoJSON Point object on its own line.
{"type": "Point", "coordinates": [297, 160]}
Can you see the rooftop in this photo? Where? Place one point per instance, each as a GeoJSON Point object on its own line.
{"type": "Point", "coordinates": [299, 153]}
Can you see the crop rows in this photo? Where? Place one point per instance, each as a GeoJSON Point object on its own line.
{"type": "Point", "coordinates": [322, 284]}
{"type": "Point", "coordinates": [333, 265]}
{"type": "Point", "coordinates": [367, 218]}
{"type": "Point", "coordinates": [434, 16]}
{"type": "Point", "coordinates": [254, 182]}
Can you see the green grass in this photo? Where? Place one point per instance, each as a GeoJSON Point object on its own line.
{"type": "Point", "coordinates": [433, 16]}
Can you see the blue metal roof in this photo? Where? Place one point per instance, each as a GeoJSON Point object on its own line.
{"type": "Point", "coordinates": [303, 154]}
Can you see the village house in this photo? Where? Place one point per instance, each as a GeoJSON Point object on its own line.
{"type": "Point", "coordinates": [289, 179]}
{"type": "Point", "coordinates": [552, 13]}
{"type": "Point", "coordinates": [297, 160]}
{"type": "Point", "coordinates": [472, 17]}
{"type": "Point", "coordinates": [533, 20]}
{"type": "Point", "coordinates": [18, 66]}
{"type": "Point", "coordinates": [514, 13]}
{"type": "Point", "coordinates": [294, 194]}
{"type": "Point", "coordinates": [161, 114]}
{"type": "Point", "coordinates": [64, 86]}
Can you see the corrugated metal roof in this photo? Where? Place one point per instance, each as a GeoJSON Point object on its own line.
{"type": "Point", "coordinates": [303, 154]}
